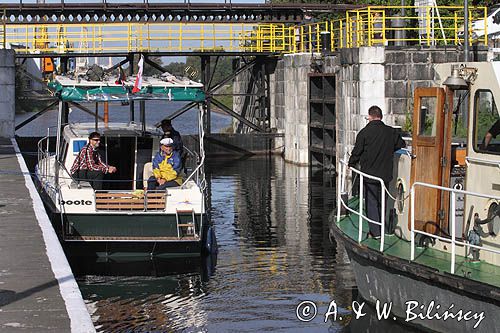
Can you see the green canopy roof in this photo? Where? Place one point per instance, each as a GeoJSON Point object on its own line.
{"type": "Point", "coordinates": [108, 93]}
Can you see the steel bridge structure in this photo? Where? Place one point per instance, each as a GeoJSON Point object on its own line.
{"type": "Point", "coordinates": [187, 11]}
{"type": "Point", "coordinates": [258, 33]}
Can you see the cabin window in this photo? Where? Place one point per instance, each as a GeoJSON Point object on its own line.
{"type": "Point", "coordinates": [486, 123]}
{"type": "Point", "coordinates": [78, 145]}
{"type": "Point", "coordinates": [460, 119]}
{"type": "Point", "coordinates": [427, 122]}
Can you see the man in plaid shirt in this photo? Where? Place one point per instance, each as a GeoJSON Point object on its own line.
{"type": "Point", "coordinates": [88, 165]}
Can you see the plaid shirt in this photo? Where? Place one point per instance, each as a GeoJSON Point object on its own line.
{"type": "Point", "coordinates": [89, 159]}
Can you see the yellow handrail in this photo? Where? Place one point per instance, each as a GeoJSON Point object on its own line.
{"type": "Point", "coordinates": [370, 26]}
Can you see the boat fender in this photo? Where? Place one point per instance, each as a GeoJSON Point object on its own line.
{"type": "Point", "coordinates": [424, 241]}
{"type": "Point", "coordinates": [391, 225]}
{"type": "Point", "coordinates": [344, 196]}
{"type": "Point", "coordinates": [474, 238]}
{"type": "Point", "coordinates": [211, 241]}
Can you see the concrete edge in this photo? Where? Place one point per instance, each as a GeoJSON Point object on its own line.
{"type": "Point", "coordinates": [77, 311]}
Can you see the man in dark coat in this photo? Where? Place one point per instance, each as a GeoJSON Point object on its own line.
{"type": "Point", "coordinates": [170, 132]}
{"type": "Point", "coordinates": [374, 150]}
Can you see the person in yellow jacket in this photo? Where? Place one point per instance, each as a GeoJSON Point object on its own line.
{"type": "Point", "coordinates": [167, 166]}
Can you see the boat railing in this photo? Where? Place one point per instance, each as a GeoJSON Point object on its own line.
{"type": "Point", "coordinates": [454, 242]}
{"type": "Point", "coordinates": [45, 167]}
{"type": "Point", "coordinates": [198, 172]}
{"type": "Point", "coordinates": [341, 183]}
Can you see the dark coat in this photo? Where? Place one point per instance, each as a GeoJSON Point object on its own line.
{"type": "Point", "coordinates": [374, 149]}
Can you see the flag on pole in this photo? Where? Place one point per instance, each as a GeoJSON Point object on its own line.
{"type": "Point", "coordinates": [138, 79]}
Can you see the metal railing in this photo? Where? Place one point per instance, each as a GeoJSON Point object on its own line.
{"type": "Point", "coordinates": [44, 166]}
{"type": "Point", "coordinates": [411, 25]}
{"type": "Point", "coordinates": [369, 26]}
{"type": "Point", "coordinates": [453, 241]}
{"type": "Point", "coordinates": [146, 37]}
{"type": "Point", "coordinates": [341, 184]}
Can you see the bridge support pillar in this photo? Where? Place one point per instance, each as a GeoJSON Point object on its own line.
{"type": "Point", "coordinates": [7, 92]}
{"type": "Point", "coordinates": [206, 80]}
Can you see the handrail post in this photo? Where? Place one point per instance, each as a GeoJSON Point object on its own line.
{"type": "Point", "coordinates": [453, 248]}
{"type": "Point", "coordinates": [485, 18]}
{"type": "Point", "coordinates": [382, 216]}
{"type": "Point", "coordinates": [339, 189]}
{"type": "Point", "coordinates": [360, 209]}
{"type": "Point", "coordinates": [412, 221]}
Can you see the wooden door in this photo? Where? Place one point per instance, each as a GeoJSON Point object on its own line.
{"type": "Point", "coordinates": [427, 164]}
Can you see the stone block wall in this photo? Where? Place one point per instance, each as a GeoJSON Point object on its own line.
{"type": "Point", "coordinates": [386, 77]}
{"type": "Point", "coordinates": [365, 76]}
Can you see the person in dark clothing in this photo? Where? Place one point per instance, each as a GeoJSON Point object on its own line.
{"type": "Point", "coordinates": [374, 150]}
{"type": "Point", "coordinates": [492, 133]}
{"type": "Point", "coordinates": [170, 132]}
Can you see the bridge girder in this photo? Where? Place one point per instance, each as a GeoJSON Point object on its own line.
{"type": "Point", "coordinates": [162, 12]}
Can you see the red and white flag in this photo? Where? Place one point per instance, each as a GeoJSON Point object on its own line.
{"type": "Point", "coordinates": [138, 79]}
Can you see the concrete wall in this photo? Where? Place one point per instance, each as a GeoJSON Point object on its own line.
{"type": "Point", "coordinates": [7, 92]}
{"type": "Point", "coordinates": [365, 76]}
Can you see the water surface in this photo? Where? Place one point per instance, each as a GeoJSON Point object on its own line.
{"type": "Point", "coordinates": [271, 223]}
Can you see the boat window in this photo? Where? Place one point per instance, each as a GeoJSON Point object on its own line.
{"type": "Point", "coordinates": [460, 119]}
{"type": "Point", "coordinates": [427, 122]}
{"type": "Point", "coordinates": [78, 145]}
{"type": "Point", "coordinates": [486, 123]}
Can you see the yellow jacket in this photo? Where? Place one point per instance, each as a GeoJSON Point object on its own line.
{"type": "Point", "coordinates": [164, 167]}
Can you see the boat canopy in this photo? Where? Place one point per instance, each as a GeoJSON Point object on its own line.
{"type": "Point", "coordinates": [73, 90]}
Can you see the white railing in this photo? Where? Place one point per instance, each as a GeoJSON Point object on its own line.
{"type": "Point", "coordinates": [45, 169]}
{"type": "Point", "coordinates": [198, 172]}
{"type": "Point", "coordinates": [341, 182]}
{"type": "Point", "coordinates": [341, 186]}
{"type": "Point", "coordinates": [453, 241]}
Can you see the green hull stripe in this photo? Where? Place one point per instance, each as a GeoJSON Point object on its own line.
{"type": "Point", "coordinates": [397, 247]}
{"type": "Point", "coordinates": [126, 225]}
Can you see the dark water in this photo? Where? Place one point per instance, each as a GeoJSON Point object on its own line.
{"type": "Point", "coordinates": [274, 252]}
{"type": "Point", "coordinates": [271, 223]}
{"type": "Point", "coordinates": [272, 228]}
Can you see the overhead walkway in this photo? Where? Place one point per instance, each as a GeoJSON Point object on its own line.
{"type": "Point", "coordinates": [370, 26]}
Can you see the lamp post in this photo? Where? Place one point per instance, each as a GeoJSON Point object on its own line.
{"type": "Point", "coordinates": [466, 30]}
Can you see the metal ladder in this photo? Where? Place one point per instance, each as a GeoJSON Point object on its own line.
{"type": "Point", "coordinates": [189, 224]}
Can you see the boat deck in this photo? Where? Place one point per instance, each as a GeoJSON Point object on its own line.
{"type": "Point", "coordinates": [439, 260]}
{"type": "Point", "coordinates": [38, 291]}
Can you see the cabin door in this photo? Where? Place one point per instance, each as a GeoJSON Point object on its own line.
{"type": "Point", "coordinates": [430, 125]}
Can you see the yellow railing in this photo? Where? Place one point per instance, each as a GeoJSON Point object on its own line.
{"type": "Point", "coordinates": [147, 37]}
{"type": "Point", "coordinates": [428, 25]}
{"type": "Point", "coordinates": [370, 26]}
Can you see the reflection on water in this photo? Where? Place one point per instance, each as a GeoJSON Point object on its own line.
{"type": "Point", "coordinates": [271, 223]}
